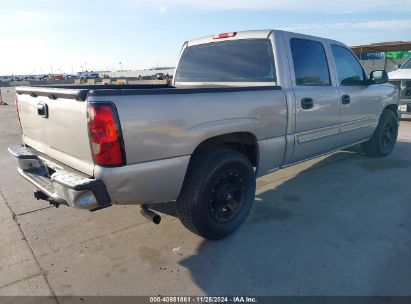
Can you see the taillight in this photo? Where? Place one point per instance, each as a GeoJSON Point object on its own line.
{"type": "Point", "coordinates": [225, 35]}
{"type": "Point", "coordinates": [106, 140]}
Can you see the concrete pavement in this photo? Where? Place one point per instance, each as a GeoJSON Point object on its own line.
{"type": "Point", "coordinates": [337, 225]}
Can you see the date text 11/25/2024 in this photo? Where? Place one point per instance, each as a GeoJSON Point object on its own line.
{"type": "Point", "coordinates": [202, 299]}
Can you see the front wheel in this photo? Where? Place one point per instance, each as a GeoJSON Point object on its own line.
{"type": "Point", "coordinates": [385, 136]}
{"type": "Point", "coordinates": [217, 194]}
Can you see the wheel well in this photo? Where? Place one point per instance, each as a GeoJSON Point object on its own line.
{"type": "Point", "coordinates": [392, 107]}
{"type": "Point", "coordinates": [243, 142]}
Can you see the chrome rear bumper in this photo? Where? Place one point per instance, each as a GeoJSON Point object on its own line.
{"type": "Point", "coordinates": [60, 186]}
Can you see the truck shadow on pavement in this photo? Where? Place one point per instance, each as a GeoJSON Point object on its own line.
{"type": "Point", "coordinates": [340, 227]}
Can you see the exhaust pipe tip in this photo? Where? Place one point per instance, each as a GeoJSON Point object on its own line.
{"type": "Point", "coordinates": [150, 214]}
{"type": "Point", "coordinates": [156, 219]}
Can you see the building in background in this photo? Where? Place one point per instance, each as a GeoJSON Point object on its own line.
{"type": "Point", "coordinates": [383, 56]}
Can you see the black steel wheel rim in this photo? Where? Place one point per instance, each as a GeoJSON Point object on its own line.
{"type": "Point", "coordinates": [228, 195]}
{"type": "Point", "coordinates": [389, 135]}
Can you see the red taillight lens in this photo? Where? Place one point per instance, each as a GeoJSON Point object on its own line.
{"type": "Point", "coordinates": [225, 35]}
{"type": "Point", "coordinates": [105, 135]}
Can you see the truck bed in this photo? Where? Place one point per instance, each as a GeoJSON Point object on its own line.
{"type": "Point", "coordinates": [80, 92]}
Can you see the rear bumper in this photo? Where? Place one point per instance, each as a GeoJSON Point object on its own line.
{"type": "Point", "coordinates": [406, 101]}
{"type": "Point", "coordinates": [60, 186]}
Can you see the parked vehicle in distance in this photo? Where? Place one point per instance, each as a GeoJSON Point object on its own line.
{"type": "Point", "coordinates": [283, 98]}
{"type": "Point", "coordinates": [48, 78]}
{"type": "Point", "coordinates": [89, 75]}
{"type": "Point", "coordinates": [402, 79]}
{"type": "Point", "coordinates": [40, 77]}
{"type": "Point", "coordinates": [58, 77]}
{"type": "Point", "coordinates": [94, 76]}
{"type": "Point", "coordinates": [5, 79]}
{"type": "Point", "coordinates": [10, 79]}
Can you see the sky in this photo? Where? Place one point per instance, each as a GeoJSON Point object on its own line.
{"type": "Point", "coordinates": [44, 36]}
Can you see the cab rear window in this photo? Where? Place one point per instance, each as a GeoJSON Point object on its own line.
{"type": "Point", "coordinates": [228, 61]}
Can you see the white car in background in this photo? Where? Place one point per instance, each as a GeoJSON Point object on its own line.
{"type": "Point", "coordinates": [402, 79]}
{"type": "Point", "coordinates": [90, 75]}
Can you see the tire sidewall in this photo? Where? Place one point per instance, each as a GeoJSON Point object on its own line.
{"type": "Point", "coordinates": [387, 117]}
{"type": "Point", "coordinates": [204, 221]}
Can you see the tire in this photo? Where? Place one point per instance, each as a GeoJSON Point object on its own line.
{"type": "Point", "coordinates": [385, 135]}
{"type": "Point", "coordinates": [217, 193]}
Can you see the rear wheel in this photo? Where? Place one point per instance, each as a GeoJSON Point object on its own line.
{"type": "Point", "coordinates": [217, 194]}
{"type": "Point", "coordinates": [385, 136]}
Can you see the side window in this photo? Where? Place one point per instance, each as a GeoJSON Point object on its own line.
{"type": "Point", "coordinates": [310, 63]}
{"type": "Point", "coordinates": [349, 70]}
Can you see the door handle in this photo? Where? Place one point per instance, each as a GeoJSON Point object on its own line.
{"type": "Point", "coordinates": [307, 103]}
{"type": "Point", "coordinates": [42, 110]}
{"type": "Point", "coordinates": [345, 99]}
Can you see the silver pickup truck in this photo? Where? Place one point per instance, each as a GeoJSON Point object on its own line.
{"type": "Point", "coordinates": [242, 104]}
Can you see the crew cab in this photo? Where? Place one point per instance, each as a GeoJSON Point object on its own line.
{"type": "Point", "coordinates": [242, 105]}
{"type": "Point", "coordinates": [402, 79]}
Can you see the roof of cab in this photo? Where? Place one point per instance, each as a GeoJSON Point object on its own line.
{"type": "Point", "coordinates": [253, 34]}
{"type": "Point", "coordinates": [240, 35]}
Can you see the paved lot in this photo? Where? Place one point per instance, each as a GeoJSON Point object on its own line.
{"type": "Point", "coordinates": [338, 225]}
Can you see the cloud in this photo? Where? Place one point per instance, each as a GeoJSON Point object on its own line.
{"type": "Point", "coordinates": [17, 18]}
{"type": "Point", "coordinates": [325, 6]}
{"type": "Point", "coordinates": [392, 25]}
{"type": "Point", "coordinates": [29, 19]}
{"type": "Point", "coordinates": [386, 25]}
{"type": "Point", "coordinates": [163, 9]}
{"type": "Point", "coordinates": [29, 55]}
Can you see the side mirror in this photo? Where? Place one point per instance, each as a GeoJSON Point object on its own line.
{"type": "Point", "coordinates": [399, 65]}
{"type": "Point", "coordinates": [379, 76]}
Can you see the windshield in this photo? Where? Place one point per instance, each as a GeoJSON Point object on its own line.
{"type": "Point", "coordinates": [407, 65]}
{"type": "Point", "coordinates": [228, 61]}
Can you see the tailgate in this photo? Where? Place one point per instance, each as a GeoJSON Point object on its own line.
{"type": "Point", "coordinates": [54, 122]}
